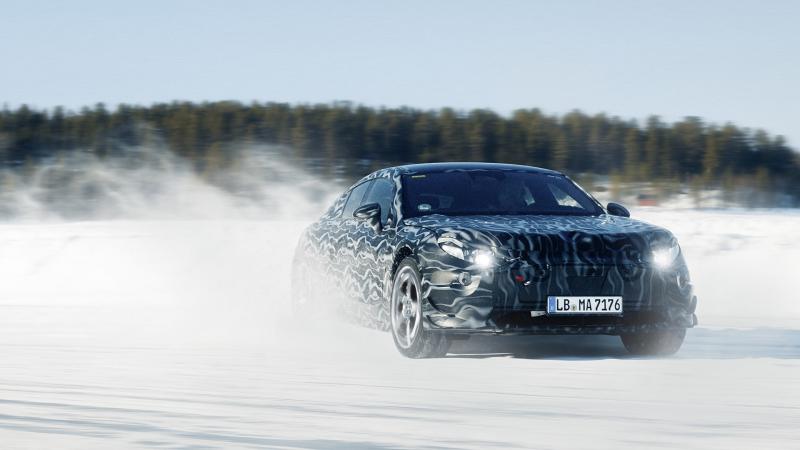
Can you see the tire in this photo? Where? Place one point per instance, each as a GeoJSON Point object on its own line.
{"type": "Point", "coordinates": [654, 343]}
{"type": "Point", "coordinates": [405, 314]}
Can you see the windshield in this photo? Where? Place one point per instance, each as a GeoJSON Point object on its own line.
{"type": "Point", "coordinates": [490, 192]}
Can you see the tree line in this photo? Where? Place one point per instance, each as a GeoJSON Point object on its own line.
{"type": "Point", "coordinates": [689, 151]}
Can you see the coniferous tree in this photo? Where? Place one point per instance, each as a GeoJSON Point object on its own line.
{"type": "Point", "coordinates": [689, 150]}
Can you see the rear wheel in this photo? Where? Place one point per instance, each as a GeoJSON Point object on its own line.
{"type": "Point", "coordinates": [658, 342]}
{"type": "Point", "coordinates": [408, 332]}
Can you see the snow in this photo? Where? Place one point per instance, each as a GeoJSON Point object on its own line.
{"type": "Point", "coordinates": [174, 334]}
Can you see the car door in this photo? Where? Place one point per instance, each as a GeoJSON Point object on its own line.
{"type": "Point", "coordinates": [328, 232]}
{"type": "Point", "coordinates": [374, 248]}
{"type": "Point", "coordinates": [347, 244]}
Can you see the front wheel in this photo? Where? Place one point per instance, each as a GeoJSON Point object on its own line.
{"type": "Point", "coordinates": [654, 343]}
{"type": "Point", "coordinates": [408, 332]}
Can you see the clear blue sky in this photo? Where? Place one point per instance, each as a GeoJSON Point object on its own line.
{"type": "Point", "coordinates": [722, 60]}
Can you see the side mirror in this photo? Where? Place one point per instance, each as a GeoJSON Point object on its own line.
{"type": "Point", "coordinates": [615, 209]}
{"type": "Point", "coordinates": [370, 213]}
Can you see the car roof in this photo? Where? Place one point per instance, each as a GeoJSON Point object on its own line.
{"type": "Point", "coordinates": [444, 166]}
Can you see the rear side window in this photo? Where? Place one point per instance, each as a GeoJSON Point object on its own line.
{"type": "Point", "coordinates": [354, 201]}
{"type": "Point", "coordinates": [382, 193]}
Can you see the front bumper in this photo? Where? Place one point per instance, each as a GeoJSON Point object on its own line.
{"type": "Point", "coordinates": [511, 299]}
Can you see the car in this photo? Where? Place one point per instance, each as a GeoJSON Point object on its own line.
{"type": "Point", "coordinates": [441, 251]}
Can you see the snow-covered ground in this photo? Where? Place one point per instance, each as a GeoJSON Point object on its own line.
{"type": "Point", "coordinates": [174, 334]}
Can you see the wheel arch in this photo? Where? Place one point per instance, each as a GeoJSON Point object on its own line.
{"type": "Point", "coordinates": [403, 251]}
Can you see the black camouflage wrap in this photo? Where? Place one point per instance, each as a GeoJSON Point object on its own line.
{"type": "Point", "coordinates": [352, 265]}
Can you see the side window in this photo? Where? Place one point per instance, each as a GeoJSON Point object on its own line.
{"type": "Point", "coordinates": [382, 193]}
{"type": "Point", "coordinates": [354, 201]}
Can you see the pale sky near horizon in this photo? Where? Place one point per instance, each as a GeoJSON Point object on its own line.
{"type": "Point", "coordinates": [720, 60]}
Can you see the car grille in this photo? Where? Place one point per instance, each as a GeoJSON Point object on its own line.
{"type": "Point", "coordinates": [572, 279]}
{"type": "Point", "coordinates": [583, 285]}
{"type": "Point", "coordinates": [578, 280]}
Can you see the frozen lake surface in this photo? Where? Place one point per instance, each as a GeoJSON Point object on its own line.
{"type": "Point", "coordinates": [174, 335]}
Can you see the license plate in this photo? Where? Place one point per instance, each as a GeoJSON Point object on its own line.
{"type": "Point", "coordinates": [584, 305]}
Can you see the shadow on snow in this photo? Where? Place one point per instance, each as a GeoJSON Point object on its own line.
{"type": "Point", "coordinates": [700, 343]}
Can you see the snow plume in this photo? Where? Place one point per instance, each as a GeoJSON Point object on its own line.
{"type": "Point", "coordinates": [154, 247]}
{"type": "Point", "coordinates": [151, 182]}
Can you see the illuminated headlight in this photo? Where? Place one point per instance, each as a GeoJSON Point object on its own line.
{"type": "Point", "coordinates": [483, 259]}
{"type": "Point", "coordinates": [663, 257]}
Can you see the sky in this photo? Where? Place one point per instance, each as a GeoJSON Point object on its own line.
{"type": "Point", "coordinates": [720, 60]}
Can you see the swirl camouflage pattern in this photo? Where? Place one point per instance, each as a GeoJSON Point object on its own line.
{"type": "Point", "coordinates": [433, 252]}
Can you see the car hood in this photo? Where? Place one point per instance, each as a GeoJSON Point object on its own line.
{"type": "Point", "coordinates": [555, 239]}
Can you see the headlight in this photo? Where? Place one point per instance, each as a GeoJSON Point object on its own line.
{"type": "Point", "coordinates": [483, 258]}
{"type": "Point", "coordinates": [664, 256]}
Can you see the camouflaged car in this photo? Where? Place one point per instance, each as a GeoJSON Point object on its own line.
{"type": "Point", "coordinates": [435, 252]}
